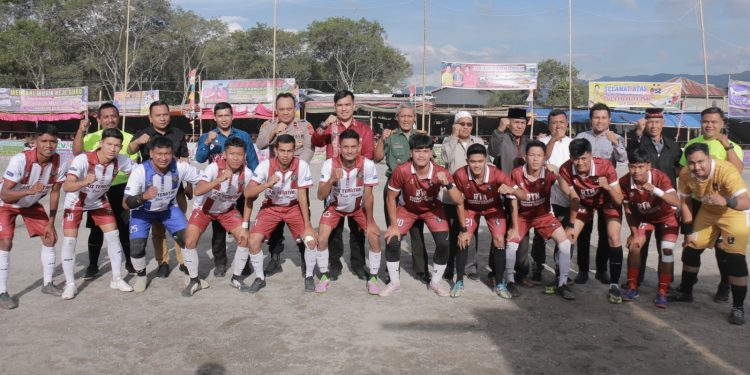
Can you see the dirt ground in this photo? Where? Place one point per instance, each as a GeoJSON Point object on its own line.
{"type": "Point", "coordinates": [282, 329]}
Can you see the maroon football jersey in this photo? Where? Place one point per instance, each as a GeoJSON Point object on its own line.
{"type": "Point", "coordinates": [481, 195]}
{"type": "Point", "coordinates": [649, 206]}
{"type": "Point", "coordinates": [418, 195]}
{"type": "Point", "coordinates": [587, 187]}
{"type": "Point", "coordinates": [537, 204]}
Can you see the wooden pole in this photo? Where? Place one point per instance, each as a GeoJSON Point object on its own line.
{"type": "Point", "coordinates": [127, 45]}
{"type": "Point", "coordinates": [531, 119]}
{"type": "Point", "coordinates": [570, 68]}
{"type": "Point", "coordinates": [705, 59]}
{"type": "Point", "coordinates": [424, 63]}
{"type": "Point", "coordinates": [98, 123]}
{"type": "Point", "coordinates": [273, 80]}
{"type": "Point", "coordinates": [200, 118]}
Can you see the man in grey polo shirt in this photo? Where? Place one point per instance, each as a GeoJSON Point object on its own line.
{"type": "Point", "coordinates": [609, 145]}
{"type": "Point", "coordinates": [454, 157]}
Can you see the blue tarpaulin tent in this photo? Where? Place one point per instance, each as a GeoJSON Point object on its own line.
{"type": "Point", "coordinates": [691, 120]}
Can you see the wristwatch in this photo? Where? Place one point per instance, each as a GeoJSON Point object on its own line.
{"type": "Point", "coordinates": [729, 148]}
{"type": "Point", "coordinates": [449, 186]}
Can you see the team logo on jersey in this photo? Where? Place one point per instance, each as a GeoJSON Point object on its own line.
{"type": "Point", "coordinates": [175, 180]}
{"type": "Point", "coordinates": [294, 177]}
{"type": "Point", "coordinates": [730, 240]}
{"type": "Point", "coordinates": [360, 174]}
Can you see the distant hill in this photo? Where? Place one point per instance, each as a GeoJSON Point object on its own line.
{"type": "Point", "coordinates": [718, 80]}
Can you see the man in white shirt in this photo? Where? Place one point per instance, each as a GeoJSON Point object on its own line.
{"type": "Point", "coordinates": [150, 195]}
{"type": "Point", "coordinates": [346, 184]}
{"type": "Point", "coordinates": [217, 193]}
{"type": "Point", "coordinates": [89, 178]}
{"type": "Point", "coordinates": [285, 180]}
{"type": "Point", "coordinates": [30, 176]}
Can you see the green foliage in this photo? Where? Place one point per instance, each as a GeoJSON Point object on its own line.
{"type": "Point", "coordinates": [552, 88]}
{"type": "Point", "coordinates": [56, 43]}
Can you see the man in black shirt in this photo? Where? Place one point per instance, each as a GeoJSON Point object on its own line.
{"type": "Point", "coordinates": [159, 118]}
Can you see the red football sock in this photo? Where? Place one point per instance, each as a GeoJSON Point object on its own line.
{"type": "Point", "coordinates": [664, 280]}
{"type": "Point", "coordinates": [633, 277]}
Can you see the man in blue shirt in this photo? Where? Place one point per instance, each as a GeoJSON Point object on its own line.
{"type": "Point", "coordinates": [211, 147]}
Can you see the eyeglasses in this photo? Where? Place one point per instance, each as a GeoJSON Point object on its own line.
{"type": "Point", "coordinates": [466, 124]}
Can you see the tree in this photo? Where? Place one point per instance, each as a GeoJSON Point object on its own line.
{"type": "Point", "coordinates": [551, 91]}
{"type": "Point", "coordinates": [249, 54]}
{"type": "Point", "coordinates": [98, 28]}
{"type": "Point", "coordinates": [552, 85]}
{"type": "Point", "coordinates": [354, 55]}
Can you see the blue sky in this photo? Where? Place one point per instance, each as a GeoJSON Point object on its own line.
{"type": "Point", "coordinates": [610, 37]}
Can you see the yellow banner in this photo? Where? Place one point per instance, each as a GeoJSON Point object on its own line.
{"type": "Point", "coordinates": [636, 94]}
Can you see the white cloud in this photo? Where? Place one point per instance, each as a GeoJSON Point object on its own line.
{"type": "Point", "coordinates": [234, 23]}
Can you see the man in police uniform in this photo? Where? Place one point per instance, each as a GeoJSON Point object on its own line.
{"type": "Point", "coordinates": [393, 146]}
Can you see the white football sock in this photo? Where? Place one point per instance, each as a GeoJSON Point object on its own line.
{"type": "Point", "coordinates": [310, 259]}
{"type": "Point", "coordinates": [510, 261]}
{"type": "Point", "coordinates": [240, 259]}
{"type": "Point", "coordinates": [4, 270]}
{"type": "Point", "coordinates": [114, 251]}
{"type": "Point", "coordinates": [190, 257]}
{"type": "Point", "coordinates": [48, 263]}
{"type": "Point", "coordinates": [68, 254]}
{"type": "Point", "coordinates": [564, 261]}
{"type": "Point", "coordinates": [322, 260]}
{"type": "Point", "coordinates": [393, 271]}
{"type": "Point", "coordinates": [374, 259]}
{"type": "Point", "coordinates": [257, 262]}
{"type": "Point", "coordinates": [138, 263]}
{"type": "Point", "coordinates": [437, 272]}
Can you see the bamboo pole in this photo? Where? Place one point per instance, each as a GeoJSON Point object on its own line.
{"type": "Point", "coordinates": [424, 63]}
{"type": "Point", "coordinates": [98, 123]}
{"type": "Point", "coordinates": [127, 44]}
{"type": "Point", "coordinates": [570, 68]}
{"type": "Point", "coordinates": [705, 58]}
{"type": "Point", "coordinates": [273, 74]}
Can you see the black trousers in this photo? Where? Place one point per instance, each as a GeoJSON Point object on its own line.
{"type": "Point", "coordinates": [219, 237]}
{"type": "Point", "coordinates": [584, 244]}
{"type": "Point", "coordinates": [416, 239]}
{"type": "Point", "coordinates": [522, 266]}
{"type": "Point", "coordinates": [464, 261]}
{"type": "Point", "coordinates": [122, 219]}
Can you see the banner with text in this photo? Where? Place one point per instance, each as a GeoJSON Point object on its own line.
{"type": "Point", "coordinates": [488, 76]}
{"type": "Point", "coordinates": [135, 103]}
{"type": "Point", "coordinates": [636, 94]}
{"type": "Point", "coordinates": [739, 99]}
{"type": "Point", "coordinates": [245, 91]}
{"type": "Point", "coordinates": [63, 100]}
